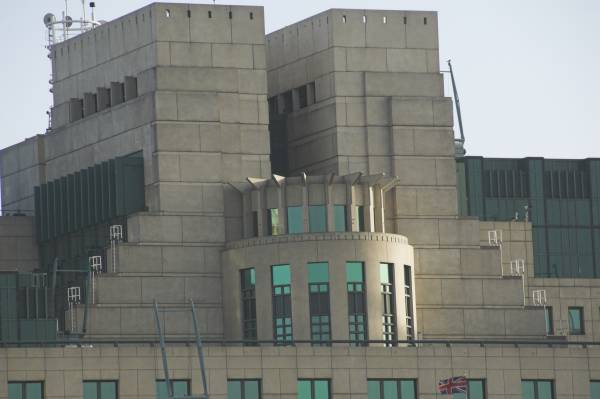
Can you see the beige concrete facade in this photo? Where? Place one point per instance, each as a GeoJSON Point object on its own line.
{"type": "Point", "coordinates": [348, 369]}
{"type": "Point", "coordinates": [365, 124]}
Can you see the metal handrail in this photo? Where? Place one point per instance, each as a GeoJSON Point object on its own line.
{"type": "Point", "coordinates": [220, 342]}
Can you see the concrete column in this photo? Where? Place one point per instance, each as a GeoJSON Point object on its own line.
{"type": "Point", "coordinates": [247, 224]}
{"type": "Point", "coordinates": [351, 221]}
{"type": "Point", "coordinates": [338, 298]}
{"type": "Point", "coordinates": [374, 302]}
{"type": "Point", "coordinates": [282, 206]}
{"type": "Point", "coordinates": [367, 193]}
{"type": "Point", "coordinates": [264, 303]}
{"type": "Point", "coordinates": [300, 305]}
{"type": "Point", "coordinates": [305, 207]}
{"type": "Point", "coordinates": [329, 206]}
{"type": "Point", "coordinates": [378, 210]}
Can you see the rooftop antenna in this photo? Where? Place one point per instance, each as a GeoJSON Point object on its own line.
{"type": "Point", "coordinates": [459, 144]}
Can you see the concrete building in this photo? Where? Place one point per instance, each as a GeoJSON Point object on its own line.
{"type": "Point", "coordinates": [301, 189]}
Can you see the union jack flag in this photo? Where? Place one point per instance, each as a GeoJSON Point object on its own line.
{"type": "Point", "coordinates": [453, 385]}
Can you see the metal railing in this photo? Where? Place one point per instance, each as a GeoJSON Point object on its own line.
{"type": "Point", "coordinates": [191, 341]}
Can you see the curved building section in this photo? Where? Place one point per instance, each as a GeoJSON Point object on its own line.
{"type": "Point", "coordinates": [319, 287]}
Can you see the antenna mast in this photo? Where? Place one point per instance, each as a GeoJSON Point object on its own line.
{"type": "Point", "coordinates": [459, 144]}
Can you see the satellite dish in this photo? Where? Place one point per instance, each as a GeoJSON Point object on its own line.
{"type": "Point", "coordinates": [49, 19]}
{"type": "Point", "coordinates": [68, 21]}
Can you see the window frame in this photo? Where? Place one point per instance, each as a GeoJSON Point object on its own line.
{"type": "Point", "coordinates": [295, 208]}
{"type": "Point", "coordinates": [24, 384]}
{"type": "Point", "coordinates": [549, 320]}
{"type": "Point", "coordinates": [535, 382]}
{"type": "Point", "coordinates": [581, 330]}
{"type": "Point", "coordinates": [388, 291]}
{"type": "Point", "coordinates": [409, 302]}
{"type": "Point", "coordinates": [316, 288]}
{"type": "Point", "coordinates": [312, 386]}
{"type": "Point", "coordinates": [469, 381]}
{"type": "Point", "coordinates": [274, 298]}
{"type": "Point", "coordinates": [172, 381]}
{"type": "Point", "coordinates": [349, 292]}
{"type": "Point", "coordinates": [242, 382]}
{"type": "Point", "coordinates": [248, 295]}
{"type": "Point", "coordinates": [99, 387]}
{"type": "Point", "coordinates": [398, 382]}
{"type": "Point", "coordinates": [344, 208]}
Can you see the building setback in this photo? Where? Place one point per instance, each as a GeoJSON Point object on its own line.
{"type": "Point", "coordinates": [301, 189]}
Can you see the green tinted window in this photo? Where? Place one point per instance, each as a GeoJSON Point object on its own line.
{"type": "Point", "coordinates": [594, 389]}
{"type": "Point", "coordinates": [313, 389]}
{"type": "Point", "coordinates": [318, 272]}
{"type": "Point", "coordinates": [576, 320]}
{"type": "Point", "coordinates": [321, 389]}
{"type": "Point", "coordinates": [339, 217]}
{"type": "Point", "coordinates": [536, 389]}
{"type": "Point", "coordinates": [295, 220]}
{"type": "Point", "coordinates": [528, 389]}
{"type": "Point", "coordinates": [392, 389]}
{"type": "Point", "coordinates": [180, 387]}
{"type": "Point", "coordinates": [317, 219]}
{"type": "Point", "coordinates": [100, 390]}
{"type": "Point", "coordinates": [354, 272]}
{"type": "Point", "coordinates": [384, 273]}
{"type": "Point", "coordinates": [251, 389]}
{"type": "Point", "coordinates": [243, 389]}
{"type": "Point", "coordinates": [544, 390]}
{"type": "Point", "coordinates": [408, 389]}
{"type": "Point", "coordinates": [90, 390]}
{"type": "Point", "coordinates": [15, 390]}
{"type": "Point", "coordinates": [234, 390]}
{"type": "Point", "coordinates": [281, 275]}
{"type": "Point", "coordinates": [373, 390]}
{"type": "Point", "coordinates": [304, 389]}
{"type": "Point", "coordinates": [25, 390]}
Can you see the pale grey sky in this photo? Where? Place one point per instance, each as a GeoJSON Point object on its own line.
{"type": "Point", "coordinates": [527, 70]}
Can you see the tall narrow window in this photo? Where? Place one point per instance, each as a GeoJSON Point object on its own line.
{"type": "Point", "coordinates": [180, 388]}
{"type": "Point", "coordinates": [282, 303]}
{"type": "Point", "coordinates": [391, 389]}
{"type": "Point", "coordinates": [408, 302]}
{"type": "Point", "coordinates": [576, 321]}
{"type": "Point", "coordinates": [273, 222]}
{"type": "Point", "coordinates": [100, 390]}
{"type": "Point", "coordinates": [243, 389]}
{"type": "Point", "coordinates": [318, 291]}
{"type": "Point", "coordinates": [549, 320]}
{"type": "Point", "coordinates": [317, 219]}
{"type": "Point", "coordinates": [357, 308]}
{"type": "Point", "coordinates": [25, 390]}
{"type": "Point", "coordinates": [339, 217]}
{"type": "Point", "coordinates": [537, 389]}
{"type": "Point", "coordinates": [248, 280]}
{"type": "Point", "coordinates": [386, 277]}
{"type": "Point", "coordinates": [360, 217]}
{"type": "Point", "coordinates": [295, 220]}
{"type": "Point", "coordinates": [313, 389]}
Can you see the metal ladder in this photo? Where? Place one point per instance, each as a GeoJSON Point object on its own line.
{"type": "Point", "coordinates": [161, 337]}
